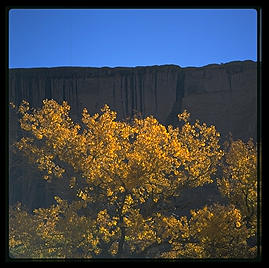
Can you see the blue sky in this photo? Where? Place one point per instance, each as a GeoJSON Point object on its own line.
{"type": "Point", "coordinates": [130, 37]}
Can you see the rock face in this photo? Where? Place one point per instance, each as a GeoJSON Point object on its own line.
{"type": "Point", "coordinates": [224, 95]}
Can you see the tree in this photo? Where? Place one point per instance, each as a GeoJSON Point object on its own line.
{"type": "Point", "coordinates": [217, 231]}
{"type": "Point", "coordinates": [124, 176]}
{"type": "Point", "coordinates": [239, 181]}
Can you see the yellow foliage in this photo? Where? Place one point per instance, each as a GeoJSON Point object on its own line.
{"type": "Point", "coordinates": [124, 175]}
{"type": "Point", "coordinates": [220, 231]}
{"type": "Point", "coordinates": [239, 181]}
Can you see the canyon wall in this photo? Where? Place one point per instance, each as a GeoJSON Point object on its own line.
{"type": "Point", "coordinates": [221, 94]}
{"type": "Point", "coordinates": [224, 95]}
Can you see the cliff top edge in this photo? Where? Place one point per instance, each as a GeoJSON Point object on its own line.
{"type": "Point", "coordinates": [132, 68]}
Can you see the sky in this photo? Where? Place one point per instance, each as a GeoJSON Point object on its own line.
{"type": "Point", "coordinates": [130, 37]}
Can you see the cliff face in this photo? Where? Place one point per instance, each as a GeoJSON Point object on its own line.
{"type": "Point", "coordinates": [224, 95]}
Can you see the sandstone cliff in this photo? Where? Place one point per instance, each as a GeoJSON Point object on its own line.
{"type": "Point", "coordinates": [224, 95]}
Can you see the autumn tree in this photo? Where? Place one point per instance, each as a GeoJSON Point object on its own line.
{"type": "Point", "coordinates": [240, 179]}
{"type": "Point", "coordinates": [216, 231]}
{"type": "Point", "coordinates": [125, 176]}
